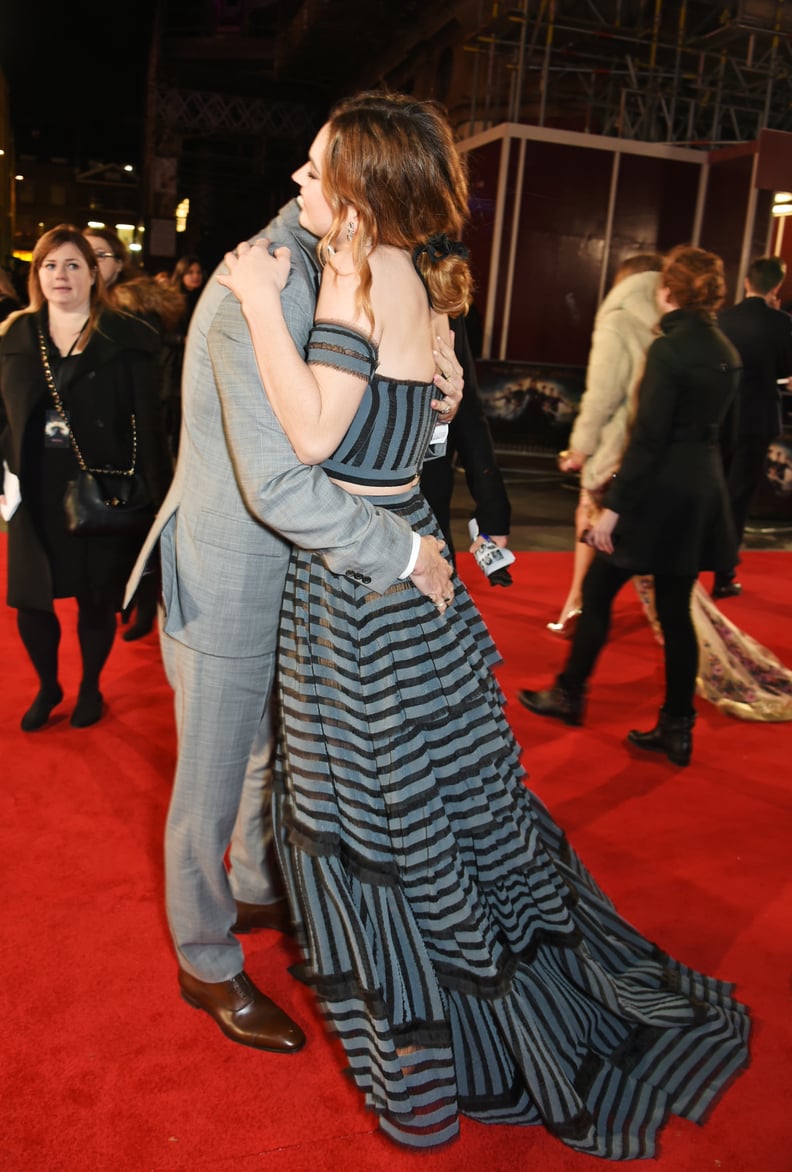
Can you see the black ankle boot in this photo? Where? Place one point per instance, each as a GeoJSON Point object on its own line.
{"type": "Point", "coordinates": [557, 702]}
{"type": "Point", "coordinates": [88, 709]}
{"type": "Point", "coordinates": [38, 713]}
{"type": "Point", "coordinates": [672, 735]}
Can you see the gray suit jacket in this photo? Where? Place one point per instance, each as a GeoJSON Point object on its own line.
{"type": "Point", "coordinates": [239, 497]}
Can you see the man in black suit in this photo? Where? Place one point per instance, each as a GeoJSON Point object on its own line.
{"type": "Point", "coordinates": [763, 337]}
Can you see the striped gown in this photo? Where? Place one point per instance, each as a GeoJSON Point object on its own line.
{"type": "Point", "coordinates": [459, 948]}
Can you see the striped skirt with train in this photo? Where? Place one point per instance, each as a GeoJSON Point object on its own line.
{"type": "Point", "coordinates": [465, 957]}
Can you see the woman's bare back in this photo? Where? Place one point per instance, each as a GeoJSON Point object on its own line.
{"type": "Point", "coordinates": [405, 326]}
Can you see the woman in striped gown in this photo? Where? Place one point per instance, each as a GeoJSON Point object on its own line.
{"type": "Point", "coordinates": [466, 958]}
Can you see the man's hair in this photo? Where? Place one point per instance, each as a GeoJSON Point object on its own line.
{"type": "Point", "coordinates": [765, 274]}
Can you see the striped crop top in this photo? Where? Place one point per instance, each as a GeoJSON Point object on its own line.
{"type": "Point", "coordinates": [390, 433]}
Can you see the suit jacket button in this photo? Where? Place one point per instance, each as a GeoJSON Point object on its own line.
{"type": "Point", "coordinates": [365, 578]}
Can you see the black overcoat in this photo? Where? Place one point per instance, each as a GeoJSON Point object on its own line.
{"type": "Point", "coordinates": [116, 376]}
{"type": "Point", "coordinates": [763, 338]}
{"type": "Point", "coordinates": [670, 491]}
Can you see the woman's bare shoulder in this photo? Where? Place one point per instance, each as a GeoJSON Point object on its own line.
{"type": "Point", "coordinates": [403, 315]}
{"type": "Point", "coordinates": [394, 279]}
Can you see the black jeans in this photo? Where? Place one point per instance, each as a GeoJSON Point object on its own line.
{"type": "Point", "coordinates": [672, 598]}
{"type": "Point", "coordinates": [743, 478]}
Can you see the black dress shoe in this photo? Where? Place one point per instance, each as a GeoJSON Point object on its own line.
{"type": "Point", "coordinates": [251, 916]}
{"type": "Point", "coordinates": [243, 1013]}
{"type": "Point", "coordinates": [556, 702]}
{"type": "Point", "coordinates": [727, 590]}
{"type": "Point", "coordinates": [38, 713]}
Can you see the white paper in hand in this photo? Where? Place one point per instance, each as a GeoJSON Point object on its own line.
{"type": "Point", "coordinates": [9, 501]}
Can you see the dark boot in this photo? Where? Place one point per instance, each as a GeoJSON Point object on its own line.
{"type": "Point", "coordinates": [145, 608]}
{"type": "Point", "coordinates": [88, 709]}
{"type": "Point", "coordinates": [558, 702]}
{"type": "Point", "coordinates": [672, 735]}
{"type": "Point", "coordinates": [38, 713]}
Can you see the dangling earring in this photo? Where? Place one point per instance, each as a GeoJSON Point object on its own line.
{"type": "Point", "coordinates": [350, 231]}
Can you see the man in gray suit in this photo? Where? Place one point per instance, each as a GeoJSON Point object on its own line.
{"type": "Point", "coordinates": [238, 499]}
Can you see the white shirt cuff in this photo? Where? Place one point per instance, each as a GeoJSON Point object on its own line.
{"type": "Point", "coordinates": [416, 549]}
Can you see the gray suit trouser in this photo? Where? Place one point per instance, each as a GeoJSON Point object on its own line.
{"type": "Point", "coordinates": [221, 798]}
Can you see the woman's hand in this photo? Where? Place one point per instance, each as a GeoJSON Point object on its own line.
{"type": "Point", "coordinates": [432, 573]}
{"type": "Point", "coordinates": [448, 379]}
{"type": "Point", "coordinates": [571, 461]}
{"type": "Point", "coordinates": [600, 533]}
{"type": "Point", "coordinates": [254, 273]}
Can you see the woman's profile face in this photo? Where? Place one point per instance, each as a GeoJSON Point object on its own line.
{"type": "Point", "coordinates": [315, 214]}
{"type": "Point", "coordinates": [66, 279]}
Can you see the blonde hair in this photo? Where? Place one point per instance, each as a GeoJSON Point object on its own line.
{"type": "Point", "coordinates": [639, 262]}
{"type": "Point", "coordinates": [393, 159]}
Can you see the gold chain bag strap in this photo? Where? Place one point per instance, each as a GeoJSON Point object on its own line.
{"type": "Point", "coordinates": [101, 501]}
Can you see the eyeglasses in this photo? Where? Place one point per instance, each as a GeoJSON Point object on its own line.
{"type": "Point", "coordinates": [106, 256]}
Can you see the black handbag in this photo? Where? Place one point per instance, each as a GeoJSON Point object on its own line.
{"type": "Point", "coordinates": [102, 501]}
{"type": "Point", "coordinates": [99, 503]}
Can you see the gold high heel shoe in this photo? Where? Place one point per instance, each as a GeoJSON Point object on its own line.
{"type": "Point", "coordinates": [566, 627]}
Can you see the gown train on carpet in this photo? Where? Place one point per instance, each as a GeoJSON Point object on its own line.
{"type": "Point", "coordinates": [462, 952]}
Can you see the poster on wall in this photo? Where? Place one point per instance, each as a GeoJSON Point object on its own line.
{"type": "Point", "coordinates": [773, 499]}
{"type": "Point", "coordinates": [530, 404]}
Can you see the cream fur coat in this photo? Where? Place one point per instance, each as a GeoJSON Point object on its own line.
{"type": "Point", "coordinates": [625, 325]}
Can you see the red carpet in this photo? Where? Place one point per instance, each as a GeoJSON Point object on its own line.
{"type": "Point", "coordinates": [104, 1067]}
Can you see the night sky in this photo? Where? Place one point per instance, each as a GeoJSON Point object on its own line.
{"type": "Point", "coordinates": [76, 84]}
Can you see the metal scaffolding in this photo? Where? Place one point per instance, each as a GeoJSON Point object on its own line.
{"type": "Point", "coordinates": [236, 87]}
{"type": "Point", "coordinates": [698, 74]}
{"type": "Point", "coordinates": [678, 71]}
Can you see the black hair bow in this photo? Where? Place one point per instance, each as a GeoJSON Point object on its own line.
{"type": "Point", "coordinates": [439, 247]}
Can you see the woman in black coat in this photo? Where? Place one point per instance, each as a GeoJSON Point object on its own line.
{"type": "Point", "coordinates": [667, 510]}
{"type": "Point", "coordinates": [103, 364]}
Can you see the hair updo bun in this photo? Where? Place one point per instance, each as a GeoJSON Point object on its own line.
{"type": "Point", "coordinates": [443, 266]}
{"type": "Point", "coordinates": [695, 278]}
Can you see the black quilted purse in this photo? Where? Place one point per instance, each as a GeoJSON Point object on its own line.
{"type": "Point", "coordinates": [102, 501]}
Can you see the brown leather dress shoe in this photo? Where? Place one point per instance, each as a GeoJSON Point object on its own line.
{"type": "Point", "coordinates": [251, 916]}
{"type": "Point", "coordinates": [243, 1013]}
